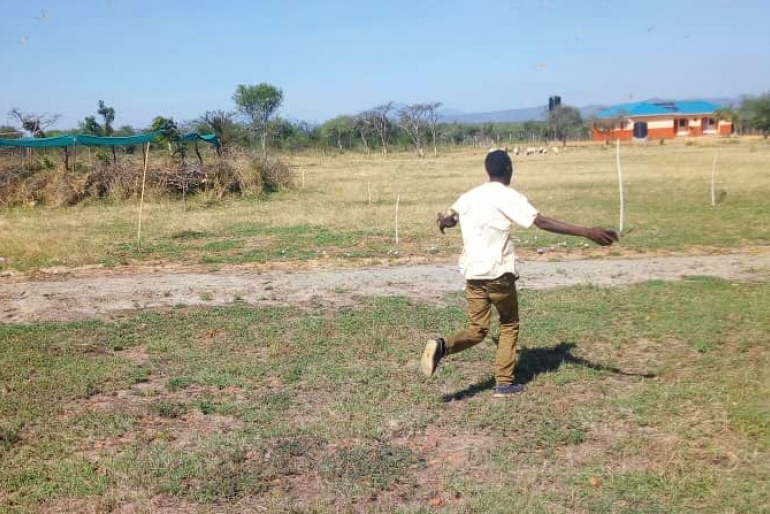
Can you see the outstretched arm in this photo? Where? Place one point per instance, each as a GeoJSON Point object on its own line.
{"type": "Point", "coordinates": [598, 235]}
{"type": "Point", "coordinates": [446, 220]}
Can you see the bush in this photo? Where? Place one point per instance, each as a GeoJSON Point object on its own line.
{"type": "Point", "coordinates": [272, 175]}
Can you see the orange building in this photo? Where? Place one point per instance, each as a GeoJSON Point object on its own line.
{"type": "Point", "coordinates": [660, 120]}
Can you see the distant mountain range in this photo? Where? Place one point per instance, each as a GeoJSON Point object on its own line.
{"type": "Point", "coordinates": [540, 113]}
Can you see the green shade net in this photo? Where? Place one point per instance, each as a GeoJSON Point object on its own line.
{"type": "Point", "coordinates": [86, 140]}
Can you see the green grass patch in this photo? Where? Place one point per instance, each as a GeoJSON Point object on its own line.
{"type": "Point", "coordinates": [650, 398]}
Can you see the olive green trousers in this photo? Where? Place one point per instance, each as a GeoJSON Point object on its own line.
{"type": "Point", "coordinates": [481, 295]}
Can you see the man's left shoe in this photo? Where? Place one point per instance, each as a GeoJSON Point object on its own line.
{"type": "Point", "coordinates": [503, 391]}
{"type": "Point", "coordinates": [431, 356]}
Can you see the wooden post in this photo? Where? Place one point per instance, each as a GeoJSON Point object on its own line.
{"type": "Point", "coordinates": [713, 173]}
{"type": "Point", "coordinates": [66, 159]}
{"type": "Point", "coordinates": [398, 200]}
{"type": "Point", "coordinates": [198, 153]}
{"type": "Point", "coordinates": [620, 186]}
{"type": "Point", "coordinates": [74, 157]}
{"type": "Point", "coordinates": [141, 198]}
{"type": "Point", "coordinates": [369, 191]}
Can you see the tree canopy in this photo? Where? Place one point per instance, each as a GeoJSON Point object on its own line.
{"type": "Point", "coordinates": [258, 103]}
{"type": "Point", "coordinates": [564, 122]}
{"type": "Point", "coordinates": [757, 113]}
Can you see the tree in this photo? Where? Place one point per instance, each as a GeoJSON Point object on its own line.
{"type": "Point", "coordinates": [564, 122]}
{"type": "Point", "coordinates": [35, 124]}
{"type": "Point", "coordinates": [258, 103]}
{"type": "Point", "coordinates": [169, 134]}
{"type": "Point", "coordinates": [414, 120]}
{"type": "Point", "coordinates": [90, 126]}
{"type": "Point", "coordinates": [383, 123]}
{"type": "Point", "coordinates": [757, 113]}
{"type": "Point", "coordinates": [488, 132]}
{"type": "Point", "coordinates": [125, 130]}
{"type": "Point", "coordinates": [532, 130]}
{"type": "Point", "coordinates": [432, 116]}
{"type": "Point", "coordinates": [108, 114]}
{"type": "Point", "coordinates": [338, 130]}
{"type": "Point", "coordinates": [9, 132]}
{"type": "Point", "coordinates": [221, 123]}
{"type": "Point", "coordinates": [366, 126]}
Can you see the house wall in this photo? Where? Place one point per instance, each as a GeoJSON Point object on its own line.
{"type": "Point", "coordinates": [663, 127]}
{"type": "Point", "coordinates": [725, 128]}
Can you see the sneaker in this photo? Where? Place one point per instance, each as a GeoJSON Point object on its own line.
{"type": "Point", "coordinates": [431, 356]}
{"type": "Point", "coordinates": [502, 391]}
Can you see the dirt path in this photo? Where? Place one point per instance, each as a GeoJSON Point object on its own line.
{"type": "Point", "coordinates": [105, 297]}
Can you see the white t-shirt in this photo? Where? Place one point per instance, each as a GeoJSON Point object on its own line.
{"type": "Point", "coordinates": [485, 215]}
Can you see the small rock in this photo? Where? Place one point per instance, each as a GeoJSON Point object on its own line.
{"type": "Point", "coordinates": [7, 273]}
{"type": "Point", "coordinates": [541, 251]}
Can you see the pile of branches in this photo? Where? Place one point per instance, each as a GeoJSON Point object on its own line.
{"type": "Point", "coordinates": [242, 174]}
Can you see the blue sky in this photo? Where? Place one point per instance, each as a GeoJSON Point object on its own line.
{"type": "Point", "coordinates": [181, 58]}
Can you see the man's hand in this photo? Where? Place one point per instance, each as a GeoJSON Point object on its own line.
{"type": "Point", "coordinates": [602, 236]}
{"type": "Point", "coordinates": [598, 235]}
{"type": "Point", "coordinates": [446, 221]}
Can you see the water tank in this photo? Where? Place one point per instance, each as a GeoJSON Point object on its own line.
{"type": "Point", "coordinates": [553, 102]}
{"type": "Point", "coordinates": [640, 130]}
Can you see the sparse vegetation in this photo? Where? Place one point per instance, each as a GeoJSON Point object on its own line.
{"type": "Point", "coordinates": [339, 215]}
{"type": "Point", "coordinates": [650, 398]}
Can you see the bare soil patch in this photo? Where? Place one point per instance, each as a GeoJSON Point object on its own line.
{"type": "Point", "coordinates": [99, 296]}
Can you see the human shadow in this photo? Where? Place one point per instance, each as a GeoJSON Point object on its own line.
{"type": "Point", "coordinates": [532, 362]}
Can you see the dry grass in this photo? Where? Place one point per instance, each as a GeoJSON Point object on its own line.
{"type": "Point", "coordinates": [353, 198]}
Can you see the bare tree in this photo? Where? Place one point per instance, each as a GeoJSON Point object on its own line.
{"type": "Point", "coordinates": [432, 116]}
{"type": "Point", "coordinates": [383, 123]}
{"type": "Point", "coordinates": [414, 120]}
{"type": "Point", "coordinates": [366, 125]}
{"type": "Point", "coordinates": [35, 124]}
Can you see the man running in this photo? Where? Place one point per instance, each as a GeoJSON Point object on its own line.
{"type": "Point", "coordinates": [485, 214]}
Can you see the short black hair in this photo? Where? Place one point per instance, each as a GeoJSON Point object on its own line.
{"type": "Point", "coordinates": [498, 163]}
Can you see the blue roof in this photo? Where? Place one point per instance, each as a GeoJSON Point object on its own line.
{"type": "Point", "coordinates": [659, 108]}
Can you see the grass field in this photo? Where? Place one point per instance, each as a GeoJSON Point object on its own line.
{"type": "Point", "coordinates": [647, 399]}
{"type": "Point", "coordinates": [332, 221]}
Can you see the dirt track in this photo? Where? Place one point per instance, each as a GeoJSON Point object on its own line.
{"type": "Point", "coordinates": [103, 297]}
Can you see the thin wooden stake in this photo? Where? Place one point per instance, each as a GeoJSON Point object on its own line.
{"type": "Point", "coordinates": [398, 200]}
{"type": "Point", "coordinates": [369, 192]}
{"type": "Point", "coordinates": [141, 198]}
{"type": "Point", "coordinates": [713, 174]}
{"type": "Point", "coordinates": [74, 158]}
{"type": "Point", "coordinates": [620, 185]}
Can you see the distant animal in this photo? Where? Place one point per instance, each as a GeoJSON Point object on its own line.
{"type": "Point", "coordinates": [543, 150]}
{"type": "Point", "coordinates": [555, 150]}
{"type": "Point", "coordinates": [515, 150]}
{"type": "Point", "coordinates": [531, 150]}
